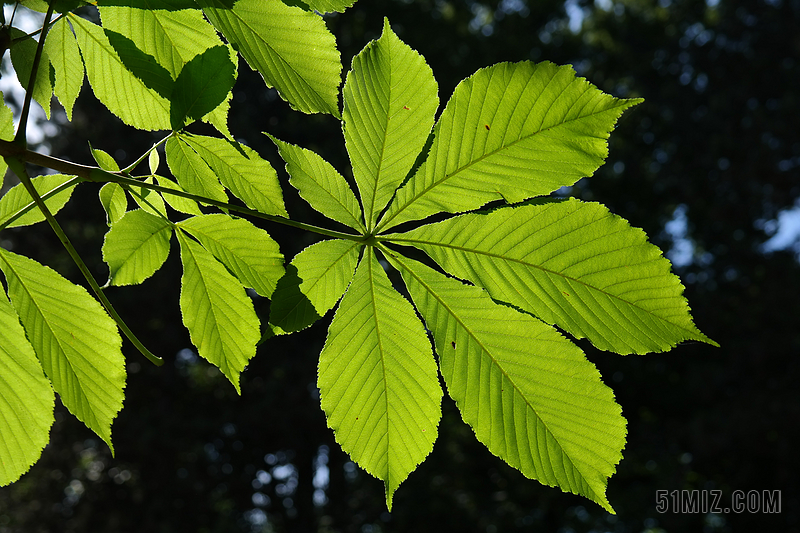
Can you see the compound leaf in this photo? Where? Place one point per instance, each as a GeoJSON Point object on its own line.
{"type": "Point", "coordinates": [390, 98]}
{"type": "Point", "coordinates": [291, 48]}
{"type": "Point", "coordinates": [511, 131]}
{"type": "Point", "coordinates": [320, 184]}
{"type": "Point", "coordinates": [529, 394]}
{"type": "Point", "coordinates": [247, 251]}
{"type": "Point", "coordinates": [216, 310]}
{"type": "Point", "coordinates": [26, 399]}
{"type": "Point", "coordinates": [377, 379]}
{"type": "Point", "coordinates": [75, 340]}
{"type": "Point", "coordinates": [315, 280]}
{"type": "Point", "coordinates": [572, 264]}
{"type": "Point", "coordinates": [135, 247]}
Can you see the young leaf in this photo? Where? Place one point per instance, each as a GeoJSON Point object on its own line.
{"type": "Point", "coordinates": [242, 171]}
{"type": "Point", "coordinates": [26, 399]}
{"type": "Point", "coordinates": [511, 131]}
{"type": "Point", "coordinates": [150, 200]}
{"type": "Point", "coordinates": [17, 198]}
{"type": "Point", "coordinates": [114, 201]}
{"type": "Point", "coordinates": [135, 247]}
{"type": "Point", "coordinates": [62, 50]}
{"type": "Point", "coordinates": [320, 184]}
{"type": "Point", "coordinates": [153, 161]}
{"type": "Point", "coordinates": [247, 251]}
{"type": "Point", "coordinates": [290, 47]}
{"type": "Point", "coordinates": [529, 394]}
{"type": "Point", "coordinates": [75, 340]}
{"type": "Point", "coordinates": [22, 54]}
{"type": "Point", "coordinates": [202, 85]}
{"type": "Point", "coordinates": [125, 95]}
{"type": "Point", "coordinates": [104, 159]}
{"type": "Point", "coordinates": [572, 264]}
{"type": "Point", "coordinates": [192, 173]}
{"type": "Point", "coordinates": [315, 280]}
{"type": "Point", "coordinates": [377, 379]}
{"type": "Point", "coordinates": [217, 312]}
{"type": "Point", "coordinates": [390, 98]}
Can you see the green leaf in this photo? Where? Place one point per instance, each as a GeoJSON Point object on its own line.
{"type": "Point", "coordinates": [218, 314]}
{"type": "Point", "coordinates": [135, 247]}
{"type": "Point", "coordinates": [390, 99]}
{"type": "Point", "coordinates": [22, 55]}
{"type": "Point", "coordinates": [192, 173]}
{"type": "Point", "coordinates": [242, 171]}
{"type": "Point", "coordinates": [248, 252]}
{"type": "Point", "coordinates": [150, 200]}
{"type": "Point", "coordinates": [290, 47]}
{"type": "Point", "coordinates": [104, 159]}
{"type": "Point", "coordinates": [202, 85]}
{"type": "Point", "coordinates": [75, 340]}
{"type": "Point", "coordinates": [17, 198]}
{"type": "Point", "coordinates": [178, 203]}
{"type": "Point", "coordinates": [572, 264]}
{"type": "Point", "coordinates": [6, 131]}
{"type": "Point", "coordinates": [125, 95]}
{"type": "Point", "coordinates": [26, 399]}
{"type": "Point", "coordinates": [329, 6]}
{"type": "Point", "coordinates": [320, 184]}
{"type": "Point", "coordinates": [377, 379]}
{"type": "Point", "coordinates": [315, 280]}
{"type": "Point", "coordinates": [62, 50]}
{"type": "Point", "coordinates": [510, 132]}
{"type": "Point", "coordinates": [529, 394]}
{"type": "Point", "coordinates": [142, 65]}
{"type": "Point", "coordinates": [114, 201]}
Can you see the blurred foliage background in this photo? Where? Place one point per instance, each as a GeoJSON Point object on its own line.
{"type": "Point", "coordinates": [708, 166]}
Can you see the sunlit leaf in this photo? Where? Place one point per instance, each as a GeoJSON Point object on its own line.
{"type": "Point", "coordinates": [17, 198]}
{"type": "Point", "coordinates": [26, 399]}
{"type": "Point", "coordinates": [510, 132]}
{"type": "Point", "coordinates": [135, 247]}
{"type": "Point", "coordinates": [22, 55]}
{"type": "Point", "coordinates": [377, 379]}
{"type": "Point", "coordinates": [193, 174]}
{"type": "Point", "coordinates": [114, 201]}
{"type": "Point", "coordinates": [529, 394]}
{"type": "Point", "coordinates": [75, 340]}
{"type": "Point", "coordinates": [62, 50]}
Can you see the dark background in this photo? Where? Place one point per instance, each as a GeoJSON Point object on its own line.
{"type": "Point", "coordinates": [706, 166]}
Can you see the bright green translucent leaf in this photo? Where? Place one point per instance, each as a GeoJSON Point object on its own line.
{"type": "Point", "coordinates": [62, 50]}
{"type": "Point", "coordinates": [135, 247]}
{"type": "Point", "coordinates": [161, 5]}
{"type": "Point", "coordinates": [26, 399]}
{"type": "Point", "coordinates": [22, 54]}
{"type": "Point", "coordinates": [104, 159]}
{"type": "Point", "coordinates": [390, 98]}
{"type": "Point", "coordinates": [315, 280]}
{"type": "Point", "coordinates": [248, 252]}
{"type": "Point", "coordinates": [202, 85]}
{"type": "Point", "coordinates": [153, 161]}
{"type": "Point", "coordinates": [150, 200]}
{"type": "Point", "coordinates": [511, 131]}
{"type": "Point", "coordinates": [529, 394]}
{"type": "Point", "coordinates": [144, 66]}
{"type": "Point", "coordinates": [125, 95]}
{"type": "Point", "coordinates": [217, 312]}
{"type": "Point", "coordinates": [378, 380]}
{"type": "Point", "coordinates": [6, 130]}
{"type": "Point", "coordinates": [240, 169]}
{"type": "Point", "coordinates": [75, 340]}
{"type": "Point", "coordinates": [192, 173]}
{"type": "Point", "coordinates": [178, 203]}
{"type": "Point", "coordinates": [291, 48]}
{"type": "Point", "coordinates": [572, 264]}
{"type": "Point", "coordinates": [329, 6]}
{"type": "Point", "coordinates": [114, 201]}
{"type": "Point", "coordinates": [17, 198]}
{"type": "Point", "coordinates": [320, 184]}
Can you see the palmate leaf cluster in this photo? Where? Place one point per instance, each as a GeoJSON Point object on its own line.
{"type": "Point", "coordinates": [482, 295]}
